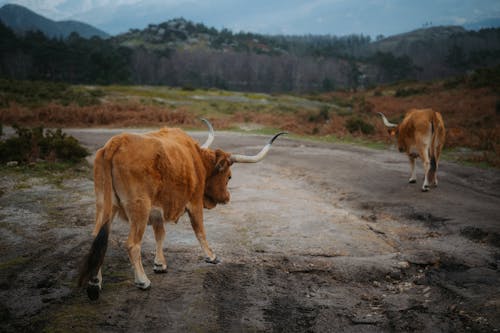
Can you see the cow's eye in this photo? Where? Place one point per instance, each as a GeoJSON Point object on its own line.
{"type": "Point", "coordinates": [229, 177]}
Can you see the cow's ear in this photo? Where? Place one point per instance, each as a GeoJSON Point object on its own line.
{"type": "Point", "coordinates": [221, 161]}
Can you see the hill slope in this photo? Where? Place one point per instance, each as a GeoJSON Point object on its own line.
{"type": "Point", "coordinates": [21, 20]}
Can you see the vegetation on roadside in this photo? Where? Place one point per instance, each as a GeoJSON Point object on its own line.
{"type": "Point", "coordinates": [469, 104]}
{"type": "Point", "coordinates": [36, 93]}
{"type": "Point", "coordinates": [36, 144]}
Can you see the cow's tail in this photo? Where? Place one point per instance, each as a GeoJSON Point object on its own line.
{"type": "Point", "coordinates": [434, 145]}
{"type": "Point", "coordinates": [104, 213]}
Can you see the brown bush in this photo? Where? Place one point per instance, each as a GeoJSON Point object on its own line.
{"type": "Point", "coordinates": [130, 114]}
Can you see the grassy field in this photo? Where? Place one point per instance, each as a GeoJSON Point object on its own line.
{"type": "Point", "coordinates": [470, 107]}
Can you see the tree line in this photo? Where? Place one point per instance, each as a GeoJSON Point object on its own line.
{"type": "Point", "coordinates": [34, 56]}
{"type": "Point", "coordinates": [233, 60]}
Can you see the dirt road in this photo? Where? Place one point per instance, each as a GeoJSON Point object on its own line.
{"type": "Point", "coordinates": [316, 238]}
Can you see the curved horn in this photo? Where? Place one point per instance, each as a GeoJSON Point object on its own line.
{"type": "Point", "coordinates": [386, 122]}
{"type": "Point", "coordinates": [211, 134]}
{"type": "Point", "coordinates": [255, 158]}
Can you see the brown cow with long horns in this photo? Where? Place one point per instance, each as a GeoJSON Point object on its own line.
{"type": "Point", "coordinates": [421, 133]}
{"type": "Point", "coordinates": [166, 171]}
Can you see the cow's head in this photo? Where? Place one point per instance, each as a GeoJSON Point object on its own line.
{"type": "Point", "coordinates": [392, 129]}
{"type": "Point", "coordinates": [216, 184]}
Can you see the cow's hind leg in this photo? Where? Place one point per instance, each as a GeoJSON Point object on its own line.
{"type": "Point", "coordinates": [138, 214]}
{"type": "Point", "coordinates": [413, 174]}
{"type": "Point", "coordinates": [160, 264]}
{"type": "Point", "coordinates": [434, 165]}
{"type": "Point", "coordinates": [432, 171]}
{"type": "Point", "coordinates": [424, 153]}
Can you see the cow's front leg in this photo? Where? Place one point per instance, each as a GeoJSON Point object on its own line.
{"type": "Point", "coordinates": [413, 172]}
{"type": "Point", "coordinates": [196, 217]}
{"type": "Point", "coordinates": [160, 264]}
{"type": "Point", "coordinates": [138, 218]}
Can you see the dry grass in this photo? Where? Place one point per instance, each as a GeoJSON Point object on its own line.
{"type": "Point", "coordinates": [471, 115]}
{"type": "Point", "coordinates": [106, 114]}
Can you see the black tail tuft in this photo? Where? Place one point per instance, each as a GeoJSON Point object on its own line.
{"type": "Point", "coordinates": [433, 163]}
{"type": "Point", "coordinates": [94, 259]}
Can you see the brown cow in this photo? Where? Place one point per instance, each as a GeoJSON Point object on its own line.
{"type": "Point", "coordinates": [421, 133]}
{"type": "Point", "coordinates": [165, 171]}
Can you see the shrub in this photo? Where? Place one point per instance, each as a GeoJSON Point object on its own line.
{"type": "Point", "coordinates": [453, 82]}
{"type": "Point", "coordinates": [322, 115]}
{"type": "Point", "coordinates": [28, 145]}
{"type": "Point", "coordinates": [404, 92]}
{"type": "Point", "coordinates": [485, 77]}
{"type": "Point", "coordinates": [365, 106]}
{"type": "Point", "coordinates": [356, 124]}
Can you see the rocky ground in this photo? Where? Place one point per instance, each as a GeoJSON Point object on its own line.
{"type": "Point", "coordinates": [317, 237]}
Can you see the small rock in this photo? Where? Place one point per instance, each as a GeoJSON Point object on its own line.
{"type": "Point", "coordinates": [404, 264]}
{"type": "Point", "coordinates": [396, 275]}
{"type": "Point", "coordinates": [12, 163]}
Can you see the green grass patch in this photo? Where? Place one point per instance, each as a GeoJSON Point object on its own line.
{"type": "Point", "coordinates": [36, 93]}
{"type": "Point", "coordinates": [9, 264]}
{"type": "Point", "coordinates": [78, 316]}
{"type": "Point", "coordinates": [51, 173]}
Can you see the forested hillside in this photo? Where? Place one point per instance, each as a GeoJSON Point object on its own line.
{"type": "Point", "coordinates": [33, 56]}
{"type": "Point", "coordinates": [182, 53]}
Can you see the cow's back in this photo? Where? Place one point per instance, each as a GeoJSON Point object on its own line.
{"type": "Point", "coordinates": [414, 128]}
{"type": "Point", "coordinates": [163, 167]}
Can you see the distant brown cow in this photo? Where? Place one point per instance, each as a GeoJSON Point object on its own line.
{"type": "Point", "coordinates": [421, 133]}
{"type": "Point", "coordinates": [166, 171]}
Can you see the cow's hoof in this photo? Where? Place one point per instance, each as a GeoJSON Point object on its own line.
{"type": "Point", "coordinates": [412, 181]}
{"type": "Point", "coordinates": [159, 269]}
{"type": "Point", "coordinates": [143, 285]}
{"type": "Point", "coordinates": [214, 261]}
{"type": "Point", "coordinates": [425, 188]}
{"type": "Point", "coordinates": [93, 292]}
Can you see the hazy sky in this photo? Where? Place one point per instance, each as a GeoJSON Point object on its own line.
{"type": "Point", "coordinates": [336, 17]}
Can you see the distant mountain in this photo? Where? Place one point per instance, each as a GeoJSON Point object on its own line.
{"type": "Point", "coordinates": [403, 43]}
{"type": "Point", "coordinates": [484, 24]}
{"type": "Point", "coordinates": [422, 54]}
{"type": "Point", "coordinates": [21, 20]}
{"type": "Point", "coordinates": [181, 34]}
{"type": "Point", "coordinates": [443, 51]}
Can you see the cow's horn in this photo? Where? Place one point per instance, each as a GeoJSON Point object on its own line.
{"type": "Point", "coordinates": [386, 122]}
{"type": "Point", "coordinates": [211, 135]}
{"type": "Point", "coordinates": [255, 158]}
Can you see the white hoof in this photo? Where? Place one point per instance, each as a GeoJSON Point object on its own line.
{"type": "Point", "coordinates": [143, 285]}
{"type": "Point", "coordinates": [159, 268]}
